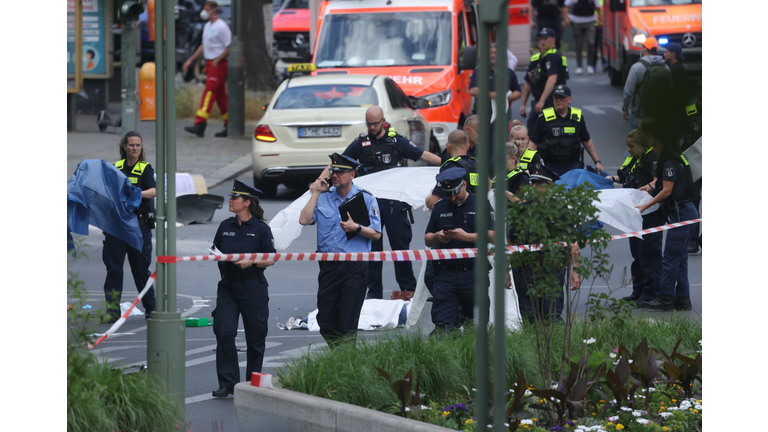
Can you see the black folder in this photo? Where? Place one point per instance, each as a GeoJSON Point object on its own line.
{"type": "Point", "coordinates": [356, 208]}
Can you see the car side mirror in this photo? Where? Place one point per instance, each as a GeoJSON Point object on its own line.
{"type": "Point", "coordinates": [469, 55]}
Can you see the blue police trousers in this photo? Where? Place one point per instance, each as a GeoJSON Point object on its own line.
{"type": "Point", "coordinates": [249, 298]}
{"type": "Point", "coordinates": [674, 275]}
{"type": "Point", "coordinates": [398, 228]}
{"type": "Point", "coordinates": [113, 254]}
{"type": "Point", "coordinates": [340, 296]}
{"type": "Point", "coordinates": [453, 302]}
{"type": "Point", "coordinates": [646, 266]}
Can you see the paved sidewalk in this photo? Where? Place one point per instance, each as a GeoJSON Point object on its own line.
{"type": "Point", "coordinates": [216, 159]}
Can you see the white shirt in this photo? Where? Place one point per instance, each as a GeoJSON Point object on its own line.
{"type": "Point", "coordinates": [216, 38]}
{"type": "Point", "coordinates": [580, 19]}
{"type": "Point", "coordinates": [511, 60]}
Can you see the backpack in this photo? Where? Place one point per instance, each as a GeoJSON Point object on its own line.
{"type": "Point", "coordinates": [654, 90]}
{"type": "Point", "coordinates": [584, 8]}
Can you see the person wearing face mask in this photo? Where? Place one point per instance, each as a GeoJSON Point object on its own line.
{"type": "Point", "coordinates": [215, 49]}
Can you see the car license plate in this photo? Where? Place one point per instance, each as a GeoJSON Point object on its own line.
{"type": "Point", "coordinates": [319, 132]}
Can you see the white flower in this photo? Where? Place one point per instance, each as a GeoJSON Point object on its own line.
{"type": "Point", "coordinates": [673, 408]}
{"type": "Point", "coordinates": [630, 361]}
{"type": "Point", "coordinates": [527, 422]}
{"type": "Point", "coordinates": [590, 341]}
{"type": "Point", "coordinates": [642, 421]}
{"type": "Point", "coordinates": [613, 355]}
{"type": "Point", "coordinates": [637, 413]}
{"type": "Point", "coordinates": [665, 414]}
{"type": "Point", "coordinates": [613, 419]}
{"type": "Point", "coordinates": [697, 406]}
{"type": "Point", "coordinates": [626, 408]}
{"type": "Point", "coordinates": [700, 342]}
{"type": "Point", "coordinates": [528, 393]}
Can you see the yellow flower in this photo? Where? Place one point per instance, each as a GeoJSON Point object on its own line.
{"type": "Point", "coordinates": [665, 429]}
{"type": "Point", "coordinates": [469, 421]}
{"type": "Point", "coordinates": [696, 411]}
{"type": "Point", "coordinates": [594, 414]}
{"type": "Point", "coordinates": [533, 419]}
{"type": "Point", "coordinates": [674, 400]}
{"type": "Point", "coordinates": [445, 413]}
{"type": "Point", "coordinates": [602, 401]}
{"type": "Point", "coordinates": [619, 426]}
{"type": "Point", "coordinates": [662, 402]}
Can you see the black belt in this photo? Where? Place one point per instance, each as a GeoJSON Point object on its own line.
{"type": "Point", "coordinates": [242, 277]}
{"type": "Point", "coordinates": [684, 201]}
{"type": "Point", "coordinates": [461, 269]}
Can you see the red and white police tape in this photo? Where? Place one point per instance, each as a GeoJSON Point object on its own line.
{"type": "Point", "coordinates": [400, 255]}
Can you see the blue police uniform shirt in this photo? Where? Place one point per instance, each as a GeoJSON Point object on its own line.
{"type": "Point", "coordinates": [445, 156]}
{"type": "Point", "coordinates": [405, 147]}
{"type": "Point", "coordinates": [551, 64]}
{"type": "Point", "coordinates": [540, 130]}
{"type": "Point", "coordinates": [459, 216]}
{"type": "Point", "coordinates": [331, 237]}
{"type": "Point", "coordinates": [513, 85]}
{"type": "Point", "coordinates": [672, 170]}
{"type": "Point", "coordinates": [253, 235]}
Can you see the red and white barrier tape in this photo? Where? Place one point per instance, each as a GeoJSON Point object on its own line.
{"type": "Point", "coordinates": [400, 255]}
{"type": "Point", "coordinates": [122, 319]}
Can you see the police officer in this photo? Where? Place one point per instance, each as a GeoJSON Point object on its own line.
{"type": "Point", "coordinates": [452, 225]}
{"type": "Point", "coordinates": [141, 175]}
{"type": "Point", "coordinates": [516, 177]}
{"type": "Point", "coordinates": [341, 284]}
{"type": "Point", "coordinates": [458, 144]}
{"type": "Point", "coordinates": [691, 134]}
{"type": "Point", "coordinates": [552, 70]}
{"type": "Point", "coordinates": [532, 307]}
{"type": "Point", "coordinates": [243, 287]}
{"type": "Point", "coordinates": [673, 189]}
{"type": "Point", "coordinates": [470, 127]}
{"type": "Point", "coordinates": [519, 133]}
{"type": "Point", "coordinates": [638, 170]}
{"type": "Point", "coordinates": [559, 134]}
{"type": "Point", "coordinates": [378, 150]}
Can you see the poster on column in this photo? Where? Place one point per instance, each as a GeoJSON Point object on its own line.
{"type": "Point", "coordinates": [97, 27]}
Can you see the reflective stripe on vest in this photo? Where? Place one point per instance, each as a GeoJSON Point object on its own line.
{"type": "Point", "coordinates": [527, 158]}
{"type": "Point", "coordinates": [685, 161]}
{"type": "Point", "coordinates": [626, 162]}
{"type": "Point", "coordinates": [137, 170]}
{"type": "Point", "coordinates": [391, 132]}
{"type": "Point", "coordinates": [535, 57]}
{"type": "Point", "coordinates": [691, 109]}
{"type": "Point", "coordinates": [549, 114]}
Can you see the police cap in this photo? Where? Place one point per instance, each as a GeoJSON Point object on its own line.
{"type": "Point", "coordinates": [562, 90]}
{"type": "Point", "coordinates": [451, 179]}
{"type": "Point", "coordinates": [340, 163]}
{"type": "Point", "coordinates": [546, 32]}
{"type": "Point", "coordinates": [542, 172]}
{"type": "Point", "coordinates": [244, 190]}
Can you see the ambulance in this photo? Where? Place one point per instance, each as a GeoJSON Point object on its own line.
{"type": "Point", "coordinates": [427, 47]}
{"type": "Point", "coordinates": [627, 23]}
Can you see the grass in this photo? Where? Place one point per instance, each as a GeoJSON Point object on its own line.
{"type": "Point", "coordinates": [446, 364]}
{"type": "Point", "coordinates": [188, 101]}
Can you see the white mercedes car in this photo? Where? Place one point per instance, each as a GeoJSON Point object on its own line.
{"type": "Point", "coordinates": [311, 117]}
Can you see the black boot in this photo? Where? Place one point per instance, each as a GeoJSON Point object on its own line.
{"type": "Point", "coordinates": [223, 392]}
{"type": "Point", "coordinates": [198, 129]}
{"type": "Point", "coordinates": [663, 302]}
{"type": "Point", "coordinates": [222, 134]}
{"type": "Point", "coordinates": [683, 304]}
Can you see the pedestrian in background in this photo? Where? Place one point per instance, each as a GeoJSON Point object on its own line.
{"type": "Point", "coordinates": [341, 284]}
{"type": "Point", "coordinates": [680, 83]}
{"type": "Point", "coordinates": [452, 224]}
{"type": "Point", "coordinates": [633, 107]}
{"type": "Point", "coordinates": [580, 15]}
{"type": "Point", "coordinates": [547, 15]}
{"type": "Point", "coordinates": [215, 49]}
{"type": "Point", "coordinates": [141, 175]}
{"type": "Point", "coordinates": [673, 190]}
{"type": "Point", "coordinates": [243, 289]}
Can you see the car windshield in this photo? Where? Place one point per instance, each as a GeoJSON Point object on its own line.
{"type": "Point", "coordinates": [663, 2]}
{"type": "Point", "coordinates": [384, 39]}
{"type": "Point", "coordinates": [327, 96]}
{"type": "Point", "coordinates": [297, 4]}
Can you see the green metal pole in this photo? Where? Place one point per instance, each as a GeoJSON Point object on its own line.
{"type": "Point", "coordinates": [482, 207]}
{"type": "Point", "coordinates": [499, 258]}
{"type": "Point", "coordinates": [235, 78]}
{"type": "Point", "coordinates": [128, 77]}
{"type": "Point", "coordinates": [160, 150]}
{"type": "Point", "coordinates": [166, 330]}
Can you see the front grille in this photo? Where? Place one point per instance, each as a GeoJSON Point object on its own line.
{"type": "Point", "coordinates": [678, 38]}
{"type": "Point", "coordinates": [286, 41]}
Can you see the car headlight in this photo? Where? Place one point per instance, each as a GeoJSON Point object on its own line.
{"type": "Point", "coordinates": [638, 36]}
{"type": "Point", "coordinates": [438, 99]}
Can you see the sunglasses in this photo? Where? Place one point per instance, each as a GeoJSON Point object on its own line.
{"type": "Point", "coordinates": [374, 123]}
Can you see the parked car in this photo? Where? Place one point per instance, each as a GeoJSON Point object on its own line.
{"type": "Point", "coordinates": [311, 117]}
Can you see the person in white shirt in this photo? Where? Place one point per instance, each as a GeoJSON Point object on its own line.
{"type": "Point", "coordinates": [581, 14]}
{"type": "Point", "coordinates": [215, 49]}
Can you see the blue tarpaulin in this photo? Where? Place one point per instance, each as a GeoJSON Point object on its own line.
{"type": "Point", "coordinates": [573, 178]}
{"type": "Point", "coordinates": [100, 195]}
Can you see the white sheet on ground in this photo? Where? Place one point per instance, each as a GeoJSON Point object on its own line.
{"type": "Point", "coordinates": [375, 315]}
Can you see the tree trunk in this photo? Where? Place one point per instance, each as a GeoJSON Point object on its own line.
{"type": "Point", "coordinates": [256, 48]}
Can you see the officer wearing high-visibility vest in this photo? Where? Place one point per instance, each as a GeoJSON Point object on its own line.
{"type": "Point", "coordinates": [691, 134]}
{"type": "Point", "coordinates": [516, 177]}
{"type": "Point", "coordinates": [673, 189]}
{"type": "Point", "coordinates": [141, 175]}
{"type": "Point", "coordinates": [552, 71]}
{"type": "Point", "coordinates": [457, 146]}
{"type": "Point", "coordinates": [560, 133]}
{"type": "Point", "coordinates": [378, 150]}
{"type": "Point", "coordinates": [519, 133]}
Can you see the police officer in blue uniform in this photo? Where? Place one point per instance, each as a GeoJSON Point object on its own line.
{"type": "Point", "coordinates": [560, 133]}
{"type": "Point", "coordinates": [243, 287]}
{"type": "Point", "coordinates": [341, 284]}
{"type": "Point", "coordinates": [531, 306]}
{"type": "Point", "coordinates": [381, 149]}
{"type": "Point", "coordinates": [674, 190]}
{"type": "Point", "coordinates": [141, 175]}
{"type": "Point", "coordinates": [551, 71]}
{"type": "Point", "coordinates": [452, 225]}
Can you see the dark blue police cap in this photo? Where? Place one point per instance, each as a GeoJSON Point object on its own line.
{"type": "Point", "coordinates": [245, 190]}
{"type": "Point", "coordinates": [342, 163]}
{"type": "Point", "coordinates": [451, 179]}
{"type": "Point", "coordinates": [546, 32]}
{"type": "Point", "coordinates": [562, 90]}
{"type": "Point", "coordinates": [677, 49]}
{"type": "Point", "coordinates": [541, 172]}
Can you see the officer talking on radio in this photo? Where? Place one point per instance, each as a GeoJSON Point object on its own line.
{"type": "Point", "coordinates": [560, 133]}
{"type": "Point", "coordinates": [377, 150]}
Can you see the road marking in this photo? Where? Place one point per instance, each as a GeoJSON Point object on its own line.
{"type": "Point", "coordinates": [200, 398]}
{"type": "Point", "coordinates": [593, 109]}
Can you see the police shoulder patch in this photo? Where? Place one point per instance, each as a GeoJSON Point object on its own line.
{"type": "Point", "coordinates": [493, 216]}
{"type": "Point", "coordinates": [654, 165]}
{"type": "Point", "coordinates": [411, 143]}
{"type": "Point", "coordinates": [548, 65]}
{"type": "Point", "coordinates": [375, 211]}
{"type": "Point", "coordinates": [670, 172]}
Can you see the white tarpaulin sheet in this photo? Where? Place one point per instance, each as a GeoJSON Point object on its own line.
{"type": "Point", "coordinates": [375, 315]}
